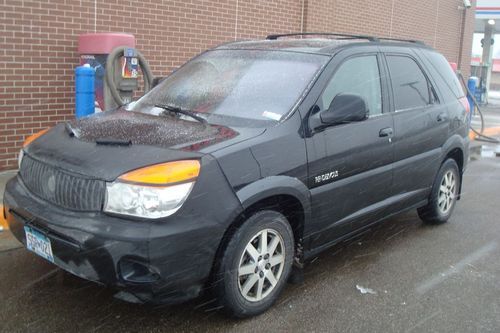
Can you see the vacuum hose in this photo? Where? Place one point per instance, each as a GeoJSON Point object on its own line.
{"type": "Point", "coordinates": [110, 62]}
{"type": "Point", "coordinates": [480, 135]}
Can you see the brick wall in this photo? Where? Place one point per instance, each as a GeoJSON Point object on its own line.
{"type": "Point", "coordinates": [38, 41]}
{"type": "Point", "coordinates": [436, 22]}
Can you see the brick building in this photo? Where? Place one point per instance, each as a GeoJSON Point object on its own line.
{"type": "Point", "coordinates": [38, 41]}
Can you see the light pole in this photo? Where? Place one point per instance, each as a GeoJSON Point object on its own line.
{"type": "Point", "coordinates": [489, 28]}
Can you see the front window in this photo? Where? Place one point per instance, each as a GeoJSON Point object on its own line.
{"type": "Point", "coordinates": [254, 84]}
{"type": "Point", "coordinates": [360, 76]}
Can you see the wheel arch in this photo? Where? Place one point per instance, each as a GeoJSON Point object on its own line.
{"type": "Point", "coordinates": [454, 148]}
{"type": "Point", "coordinates": [456, 154]}
{"type": "Point", "coordinates": [287, 195]}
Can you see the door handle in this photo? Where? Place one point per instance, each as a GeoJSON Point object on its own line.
{"type": "Point", "coordinates": [385, 132]}
{"type": "Point", "coordinates": [442, 116]}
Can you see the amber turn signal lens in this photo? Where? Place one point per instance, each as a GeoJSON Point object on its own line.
{"type": "Point", "coordinates": [163, 173]}
{"type": "Point", "coordinates": [33, 137]}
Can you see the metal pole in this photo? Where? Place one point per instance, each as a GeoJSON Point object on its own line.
{"type": "Point", "coordinates": [303, 16]}
{"type": "Point", "coordinates": [462, 33]}
{"type": "Point", "coordinates": [487, 56]}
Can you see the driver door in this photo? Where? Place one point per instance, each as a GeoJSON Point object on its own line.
{"type": "Point", "coordinates": [350, 171]}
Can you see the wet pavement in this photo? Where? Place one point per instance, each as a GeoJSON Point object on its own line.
{"type": "Point", "coordinates": [425, 279]}
{"type": "Point", "coordinates": [491, 116]}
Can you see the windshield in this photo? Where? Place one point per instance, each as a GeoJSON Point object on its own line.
{"type": "Point", "coordinates": [240, 83]}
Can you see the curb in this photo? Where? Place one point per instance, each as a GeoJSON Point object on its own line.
{"type": "Point", "coordinates": [490, 131]}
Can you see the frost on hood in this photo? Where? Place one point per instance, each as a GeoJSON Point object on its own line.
{"type": "Point", "coordinates": [146, 129]}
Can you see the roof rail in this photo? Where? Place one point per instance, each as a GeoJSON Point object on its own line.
{"type": "Point", "coordinates": [402, 40]}
{"type": "Point", "coordinates": [370, 38]}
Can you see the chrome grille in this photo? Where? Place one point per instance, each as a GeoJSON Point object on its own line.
{"type": "Point", "coordinates": [62, 188]}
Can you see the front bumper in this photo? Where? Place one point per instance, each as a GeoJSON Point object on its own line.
{"type": "Point", "coordinates": [160, 262]}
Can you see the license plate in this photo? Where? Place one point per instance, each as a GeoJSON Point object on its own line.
{"type": "Point", "coordinates": [38, 243]}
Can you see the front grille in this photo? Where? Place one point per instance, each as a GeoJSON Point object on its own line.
{"type": "Point", "coordinates": [62, 188]}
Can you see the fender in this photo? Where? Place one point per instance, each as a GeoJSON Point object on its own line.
{"type": "Point", "coordinates": [276, 185]}
{"type": "Point", "coordinates": [455, 141]}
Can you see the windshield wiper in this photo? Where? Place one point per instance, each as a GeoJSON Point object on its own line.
{"type": "Point", "coordinates": [113, 142]}
{"type": "Point", "coordinates": [176, 109]}
{"type": "Point", "coordinates": [69, 129]}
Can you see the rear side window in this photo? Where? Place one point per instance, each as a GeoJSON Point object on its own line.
{"type": "Point", "coordinates": [442, 66]}
{"type": "Point", "coordinates": [409, 84]}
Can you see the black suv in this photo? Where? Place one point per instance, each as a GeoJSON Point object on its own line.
{"type": "Point", "coordinates": [249, 159]}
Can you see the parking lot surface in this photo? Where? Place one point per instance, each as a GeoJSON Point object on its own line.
{"type": "Point", "coordinates": [416, 278]}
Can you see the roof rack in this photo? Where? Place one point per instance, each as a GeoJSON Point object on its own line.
{"type": "Point", "coordinates": [274, 37]}
{"type": "Point", "coordinates": [402, 40]}
{"type": "Point", "coordinates": [348, 36]}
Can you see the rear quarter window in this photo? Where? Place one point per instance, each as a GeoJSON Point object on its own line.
{"type": "Point", "coordinates": [443, 68]}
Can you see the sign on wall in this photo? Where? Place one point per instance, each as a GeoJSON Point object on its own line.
{"type": "Point", "coordinates": [488, 9]}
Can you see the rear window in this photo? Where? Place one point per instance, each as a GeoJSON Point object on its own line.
{"type": "Point", "coordinates": [409, 84]}
{"type": "Point", "coordinates": [443, 67]}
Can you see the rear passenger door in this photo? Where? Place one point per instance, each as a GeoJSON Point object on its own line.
{"type": "Point", "coordinates": [421, 125]}
{"type": "Point", "coordinates": [350, 164]}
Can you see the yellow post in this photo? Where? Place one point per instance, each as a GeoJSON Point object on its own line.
{"type": "Point", "coordinates": [489, 131]}
{"type": "Point", "coordinates": [3, 222]}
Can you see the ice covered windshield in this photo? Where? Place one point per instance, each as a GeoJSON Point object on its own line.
{"type": "Point", "coordinates": [250, 84]}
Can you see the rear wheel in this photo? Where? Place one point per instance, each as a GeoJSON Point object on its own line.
{"type": "Point", "coordinates": [443, 196]}
{"type": "Point", "coordinates": [255, 265]}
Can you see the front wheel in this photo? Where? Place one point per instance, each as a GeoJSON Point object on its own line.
{"type": "Point", "coordinates": [255, 265]}
{"type": "Point", "coordinates": [443, 196]}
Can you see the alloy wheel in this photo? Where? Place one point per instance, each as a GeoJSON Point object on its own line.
{"type": "Point", "coordinates": [447, 192]}
{"type": "Point", "coordinates": [261, 265]}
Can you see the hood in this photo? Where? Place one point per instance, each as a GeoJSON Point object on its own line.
{"type": "Point", "coordinates": [88, 146]}
{"type": "Point", "coordinates": [145, 129]}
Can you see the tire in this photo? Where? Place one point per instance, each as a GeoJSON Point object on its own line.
{"type": "Point", "coordinates": [444, 194]}
{"type": "Point", "coordinates": [245, 269]}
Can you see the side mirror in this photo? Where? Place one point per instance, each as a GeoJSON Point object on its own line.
{"type": "Point", "coordinates": [345, 108]}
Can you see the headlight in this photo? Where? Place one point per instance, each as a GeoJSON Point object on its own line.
{"type": "Point", "coordinates": [152, 192]}
{"type": "Point", "coordinates": [146, 201]}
